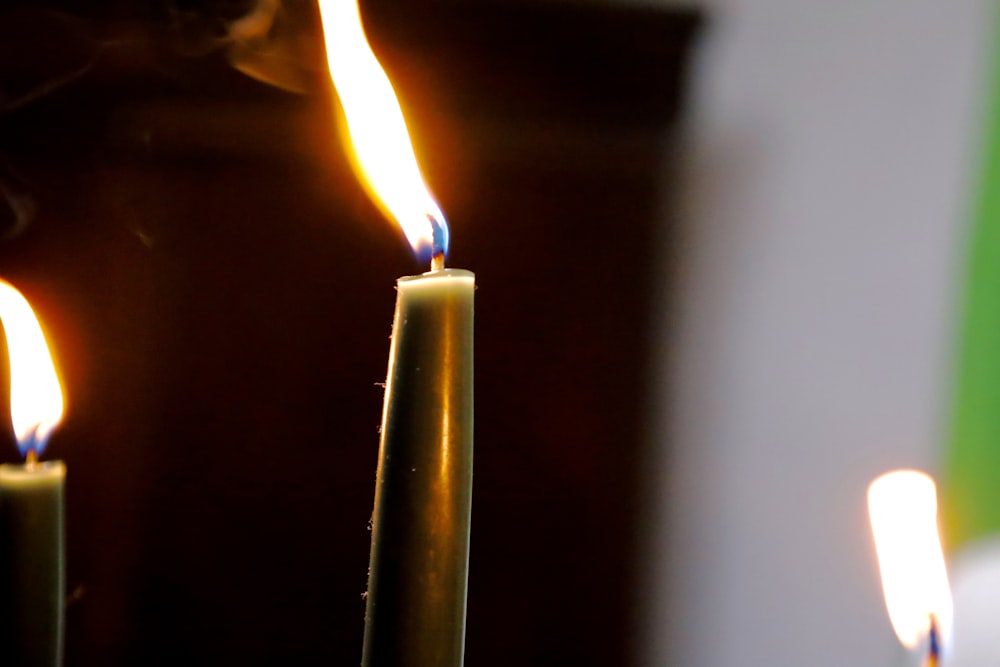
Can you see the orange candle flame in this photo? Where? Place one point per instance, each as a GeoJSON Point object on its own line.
{"type": "Point", "coordinates": [903, 509]}
{"type": "Point", "coordinates": [382, 148]}
{"type": "Point", "coordinates": [36, 398]}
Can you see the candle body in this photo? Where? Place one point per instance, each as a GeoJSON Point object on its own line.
{"type": "Point", "coordinates": [415, 609]}
{"type": "Point", "coordinates": [32, 565]}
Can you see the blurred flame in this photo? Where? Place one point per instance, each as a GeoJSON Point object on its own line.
{"type": "Point", "coordinates": [36, 400]}
{"type": "Point", "coordinates": [903, 509]}
{"type": "Point", "coordinates": [378, 132]}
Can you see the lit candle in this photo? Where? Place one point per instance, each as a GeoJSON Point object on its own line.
{"type": "Point", "coordinates": [903, 508]}
{"type": "Point", "coordinates": [415, 609]}
{"type": "Point", "coordinates": [32, 569]}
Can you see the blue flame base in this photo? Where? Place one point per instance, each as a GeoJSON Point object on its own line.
{"type": "Point", "coordinates": [34, 441]}
{"type": "Point", "coordinates": [438, 243]}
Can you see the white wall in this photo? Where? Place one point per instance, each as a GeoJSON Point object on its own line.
{"type": "Point", "coordinates": [833, 145]}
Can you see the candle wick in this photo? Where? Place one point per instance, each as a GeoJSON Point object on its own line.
{"type": "Point", "coordinates": [437, 262]}
{"type": "Point", "coordinates": [31, 458]}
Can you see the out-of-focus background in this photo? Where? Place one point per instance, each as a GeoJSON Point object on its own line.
{"type": "Point", "coordinates": [830, 187]}
{"type": "Point", "coordinates": [720, 249]}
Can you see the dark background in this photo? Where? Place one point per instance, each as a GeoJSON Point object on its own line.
{"type": "Point", "coordinates": [218, 291]}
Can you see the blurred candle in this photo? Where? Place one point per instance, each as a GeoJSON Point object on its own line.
{"type": "Point", "coordinates": [903, 508]}
{"type": "Point", "coordinates": [32, 568]}
{"type": "Point", "coordinates": [415, 609]}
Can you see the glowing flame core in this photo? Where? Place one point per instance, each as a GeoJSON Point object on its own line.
{"type": "Point", "coordinates": [36, 400]}
{"type": "Point", "coordinates": [377, 128]}
{"type": "Point", "coordinates": [903, 509]}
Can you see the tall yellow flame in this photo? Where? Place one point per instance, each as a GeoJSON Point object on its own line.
{"type": "Point", "coordinates": [903, 508]}
{"type": "Point", "coordinates": [375, 121]}
{"type": "Point", "coordinates": [36, 399]}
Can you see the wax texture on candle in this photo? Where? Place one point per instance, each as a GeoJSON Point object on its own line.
{"type": "Point", "coordinates": [416, 603]}
{"type": "Point", "coordinates": [32, 565]}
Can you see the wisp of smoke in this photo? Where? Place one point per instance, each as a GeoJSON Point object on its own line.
{"type": "Point", "coordinates": [271, 44]}
{"type": "Point", "coordinates": [17, 207]}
